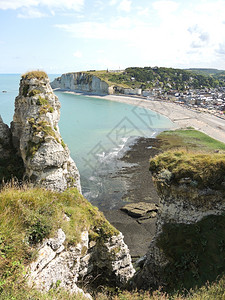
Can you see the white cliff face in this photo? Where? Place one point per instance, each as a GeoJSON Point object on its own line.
{"type": "Point", "coordinates": [82, 82]}
{"type": "Point", "coordinates": [36, 136]}
{"type": "Point", "coordinates": [58, 265]}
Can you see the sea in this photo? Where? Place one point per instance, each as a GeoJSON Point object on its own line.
{"type": "Point", "coordinates": [98, 132]}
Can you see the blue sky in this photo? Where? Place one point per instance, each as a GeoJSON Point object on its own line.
{"type": "Point", "coordinates": [61, 36]}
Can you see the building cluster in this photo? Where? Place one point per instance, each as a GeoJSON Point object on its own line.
{"type": "Point", "coordinates": [210, 100]}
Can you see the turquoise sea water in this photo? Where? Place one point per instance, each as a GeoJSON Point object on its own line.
{"type": "Point", "coordinates": [97, 131]}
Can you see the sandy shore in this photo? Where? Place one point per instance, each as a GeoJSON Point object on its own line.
{"type": "Point", "coordinates": [181, 116]}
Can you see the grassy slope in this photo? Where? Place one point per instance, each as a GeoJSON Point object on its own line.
{"type": "Point", "coordinates": [189, 139]}
{"type": "Point", "coordinates": [28, 215]}
{"type": "Point", "coordinates": [190, 153]}
{"type": "Point", "coordinates": [147, 77]}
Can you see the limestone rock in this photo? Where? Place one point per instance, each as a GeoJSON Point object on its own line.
{"type": "Point", "coordinates": [82, 82]}
{"type": "Point", "coordinates": [65, 266]}
{"type": "Point", "coordinates": [36, 136]}
{"type": "Point", "coordinates": [140, 209]}
{"type": "Point", "coordinates": [179, 204]}
{"type": "Point", "coordinates": [54, 267]}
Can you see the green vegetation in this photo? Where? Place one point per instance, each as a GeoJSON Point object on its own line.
{"type": "Point", "coordinates": [205, 71]}
{"type": "Point", "coordinates": [34, 92]}
{"type": "Point", "coordinates": [189, 139]}
{"type": "Point", "coordinates": [166, 78]}
{"type": "Point", "coordinates": [29, 215]}
{"type": "Point", "coordinates": [35, 74]}
{"type": "Point", "coordinates": [191, 154]}
{"type": "Point", "coordinates": [63, 144]}
{"type": "Point", "coordinates": [195, 252]}
{"type": "Point", "coordinates": [42, 101]}
{"type": "Point", "coordinates": [204, 170]}
{"type": "Point", "coordinates": [45, 109]}
{"type": "Point", "coordinates": [38, 127]}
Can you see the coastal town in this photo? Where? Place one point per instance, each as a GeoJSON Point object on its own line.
{"type": "Point", "coordinates": [210, 100]}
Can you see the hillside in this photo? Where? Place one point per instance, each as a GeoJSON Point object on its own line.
{"type": "Point", "coordinates": [158, 77]}
{"type": "Point", "coordinates": [204, 71]}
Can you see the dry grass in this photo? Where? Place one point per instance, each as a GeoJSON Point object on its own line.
{"type": "Point", "coordinates": [28, 215]}
{"type": "Point", "coordinates": [35, 74]}
{"type": "Point", "coordinates": [208, 170]}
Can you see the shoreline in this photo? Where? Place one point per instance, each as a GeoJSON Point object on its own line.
{"type": "Point", "coordinates": [181, 116]}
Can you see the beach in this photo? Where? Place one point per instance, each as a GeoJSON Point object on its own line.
{"type": "Point", "coordinates": [180, 115]}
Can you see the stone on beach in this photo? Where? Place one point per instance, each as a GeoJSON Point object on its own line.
{"type": "Point", "coordinates": [141, 209]}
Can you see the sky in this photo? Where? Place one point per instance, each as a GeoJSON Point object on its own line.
{"type": "Point", "coordinates": [61, 36]}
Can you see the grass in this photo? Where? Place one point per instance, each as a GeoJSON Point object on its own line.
{"type": "Point", "coordinates": [189, 139]}
{"type": "Point", "coordinates": [189, 153]}
{"type": "Point", "coordinates": [35, 74]}
{"type": "Point", "coordinates": [28, 215]}
{"type": "Point", "coordinates": [109, 78]}
{"type": "Point", "coordinates": [205, 170]}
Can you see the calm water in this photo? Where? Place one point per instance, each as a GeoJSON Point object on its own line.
{"type": "Point", "coordinates": [97, 131]}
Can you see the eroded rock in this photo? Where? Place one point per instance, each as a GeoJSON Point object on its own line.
{"type": "Point", "coordinates": [36, 136]}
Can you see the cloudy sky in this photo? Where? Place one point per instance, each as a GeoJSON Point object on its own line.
{"type": "Point", "coordinates": [60, 36]}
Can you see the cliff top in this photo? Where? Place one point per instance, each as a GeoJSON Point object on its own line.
{"type": "Point", "coordinates": [190, 156]}
{"type": "Point", "coordinates": [35, 74]}
{"type": "Point", "coordinates": [202, 170]}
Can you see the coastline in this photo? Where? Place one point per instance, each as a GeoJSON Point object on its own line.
{"type": "Point", "coordinates": [181, 116]}
{"type": "Point", "coordinates": [137, 178]}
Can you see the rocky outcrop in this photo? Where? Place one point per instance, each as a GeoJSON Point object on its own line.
{"type": "Point", "coordinates": [107, 262]}
{"type": "Point", "coordinates": [186, 210]}
{"type": "Point", "coordinates": [36, 136]}
{"type": "Point", "coordinates": [81, 82]}
{"type": "Point", "coordinates": [5, 140]}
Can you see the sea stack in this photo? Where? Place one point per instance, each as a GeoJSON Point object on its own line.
{"type": "Point", "coordinates": [36, 136]}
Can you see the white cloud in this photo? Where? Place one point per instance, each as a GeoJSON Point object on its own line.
{"type": "Point", "coordinates": [56, 4]}
{"type": "Point", "coordinates": [165, 7]}
{"type": "Point", "coordinates": [115, 29]}
{"type": "Point", "coordinates": [30, 13]}
{"type": "Point", "coordinates": [125, 5]}
{"type": "Point", "coordinates": [143, 11]}
{"type": "Point", "coordinates": [113, 2]}
{"type": "Point", "coordinates": [78, 54]}
{"type": "Point", "coordinates": [179, 37]}
{"type": "Point", "coordinates": [107, 63]}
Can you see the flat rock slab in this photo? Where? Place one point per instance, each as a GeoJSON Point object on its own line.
{"type": "Point", "coordinates": [141, 209]}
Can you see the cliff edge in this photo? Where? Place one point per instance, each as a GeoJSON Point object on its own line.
{"type": "Point", "coordinates": [188, 246]}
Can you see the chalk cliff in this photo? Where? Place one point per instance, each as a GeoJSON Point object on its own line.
{"type": "Point", "coordinates": [100, 256]}
{"type": "Point", "coordinates": [36, 136]}
{"type": "Point", "coordinates": [186, 249]}
{"type": "Point", "coordinates": [81, 81]}
{"type": "Point", "coordinates": [102, 263]}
